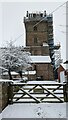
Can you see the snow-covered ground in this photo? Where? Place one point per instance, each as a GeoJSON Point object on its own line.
{"type": "Point", "coordinates": [0, 116]}
{"type": "Point", "coordinates": [33, 110]}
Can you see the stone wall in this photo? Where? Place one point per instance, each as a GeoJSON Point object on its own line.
{"type": "Point", "coordinates": [3, 95]}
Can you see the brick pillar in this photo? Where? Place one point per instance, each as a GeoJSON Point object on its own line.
{"type": "Point", "coordinates": [65, 89]}
{"type": "Point", "coordinates": [3, 95]}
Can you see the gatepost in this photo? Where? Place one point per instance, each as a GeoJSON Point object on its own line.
{"type": "Point", "coordinates": [10, 93]}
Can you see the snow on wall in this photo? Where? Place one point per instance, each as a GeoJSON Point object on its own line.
{"type": "Point", "coordinates": [23, 73]}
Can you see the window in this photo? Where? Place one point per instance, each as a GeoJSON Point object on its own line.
{"type": "Point", "coordinates": [35, 40]}
{"type": "Point", "coordinates": [35, 28]}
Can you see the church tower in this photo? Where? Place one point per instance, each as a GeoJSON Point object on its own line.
{"type": "Point", "coordinates": [39, 34]}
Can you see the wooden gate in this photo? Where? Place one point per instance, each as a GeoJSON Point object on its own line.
{"type": "Point", "coordinates": [36, 92]}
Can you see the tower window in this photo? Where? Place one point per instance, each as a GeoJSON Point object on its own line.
{"type": "Point", "coordinates": [35, 28]}
{"type": "Point", "coordinates": [35, 40]}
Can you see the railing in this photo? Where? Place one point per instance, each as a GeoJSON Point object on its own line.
{"type": "Point", "coordinates": [38, 92]}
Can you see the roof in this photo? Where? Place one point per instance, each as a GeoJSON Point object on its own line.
{"type": "Point", "coordinates": [40, 59]}
{"type": "Point", "coordinates": [65, 66]}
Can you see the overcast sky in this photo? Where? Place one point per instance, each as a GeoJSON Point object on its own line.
{"type": "Point", "coordinates": [12, 14]}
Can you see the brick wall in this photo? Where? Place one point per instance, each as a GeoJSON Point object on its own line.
{"type": "Point", "coordinates": [41, 37]}
{"type": "Point", "coordinates": [44, 70]}
{"type": "Point", "coordinates": [41, 33]}
{"type": "Point", "coordinates": [39, 50]}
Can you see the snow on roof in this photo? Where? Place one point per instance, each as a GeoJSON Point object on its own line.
{"type": "Point", "coordinates": [5, 80]}
{"type": "Point", "coordinates": [42, 82]}
{"type": "Point", "coordinates": [12, 73]}
{"type": "Point", "coordinates": [45, 44]}
{"type": "Point", "coordinates": [29, 72]}
{"type": "Point", "coordinates": [65, 66]}
{"type": "Point", "coordinates": [40, 59]}
{"type": "Point", "coordinates": [24, 73]}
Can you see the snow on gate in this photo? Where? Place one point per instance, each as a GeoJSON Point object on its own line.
{"type": "Point", "coordinates": [37, 92]}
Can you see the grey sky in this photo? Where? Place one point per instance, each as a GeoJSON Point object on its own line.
{"type": "Point", "coordinates": [12, 21]}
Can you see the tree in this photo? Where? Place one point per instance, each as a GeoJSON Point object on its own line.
{"type": "Point", "coordinates": [14, 59]}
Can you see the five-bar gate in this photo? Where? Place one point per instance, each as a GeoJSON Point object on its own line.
{"type": "Point", "coordinates": [36, 92]}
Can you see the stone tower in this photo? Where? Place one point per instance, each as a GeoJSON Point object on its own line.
{"type": "Point", "coordinates": [39, 34]}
